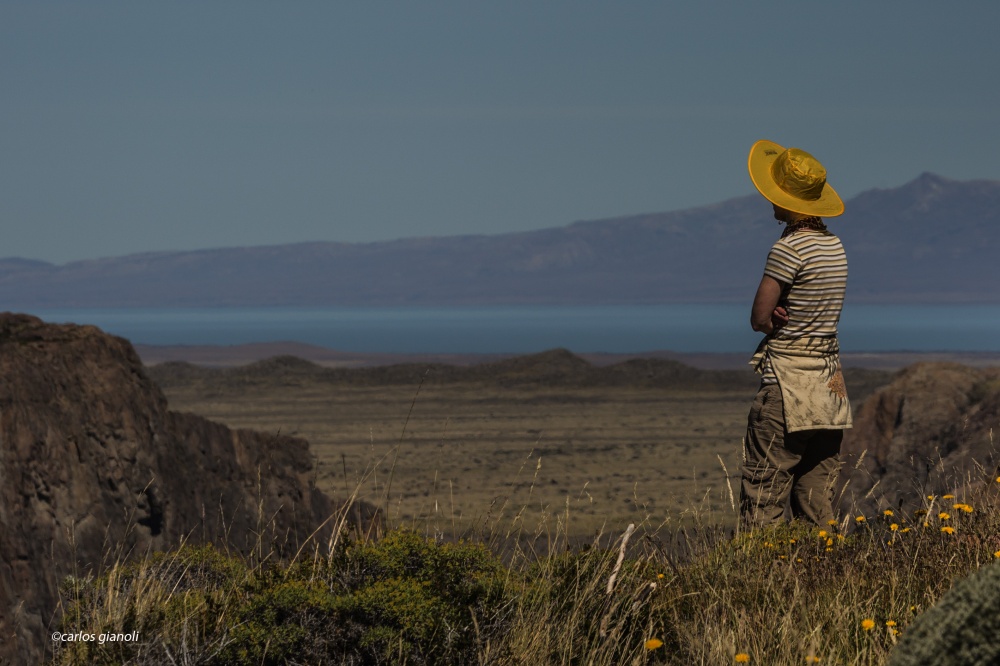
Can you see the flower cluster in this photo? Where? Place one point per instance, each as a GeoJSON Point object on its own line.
{"type": "Point", "coordinates": [868, 624]}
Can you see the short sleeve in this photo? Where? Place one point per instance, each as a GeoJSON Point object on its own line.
{"type": "Point", "coordinates": [783, 263]}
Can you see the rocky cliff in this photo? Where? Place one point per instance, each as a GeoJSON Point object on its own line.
{"type": "Point", "coordinates": [934, 429]}
{"type": "Point", "coordinates": [94, 465]}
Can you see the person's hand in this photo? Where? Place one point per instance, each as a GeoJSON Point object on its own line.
{"type": "Point", "coordinates": [779, 318]}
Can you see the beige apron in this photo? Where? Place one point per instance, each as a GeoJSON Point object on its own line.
{"type": "Point", "coordinates": [809, 376]}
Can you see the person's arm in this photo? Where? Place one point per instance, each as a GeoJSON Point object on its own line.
{"type": "Point", "coordinates": [766, 316]}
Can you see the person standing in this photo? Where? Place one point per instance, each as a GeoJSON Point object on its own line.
{"type": "Point", "coordinates": [791, 454]}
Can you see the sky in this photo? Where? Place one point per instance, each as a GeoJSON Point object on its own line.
{"type": "Point", "coordinates": [131, 127]}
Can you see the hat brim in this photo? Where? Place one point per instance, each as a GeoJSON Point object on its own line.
{"type": "Point", "coordinates": [762, 156]}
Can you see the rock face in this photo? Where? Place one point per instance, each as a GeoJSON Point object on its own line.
{"type": "Point", "coordinates": [932, 430]}
{"type": "Point", "coordinates": [94, 466]}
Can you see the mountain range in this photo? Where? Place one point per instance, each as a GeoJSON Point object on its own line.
{"type": "Point", "coordinates": [932, 240]}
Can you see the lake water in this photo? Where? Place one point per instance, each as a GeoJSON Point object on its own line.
{"type": "Point", "coordinates": [527, 329]}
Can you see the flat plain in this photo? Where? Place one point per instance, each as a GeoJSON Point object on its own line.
{"type": "Point", "coordinates": [549, 440]}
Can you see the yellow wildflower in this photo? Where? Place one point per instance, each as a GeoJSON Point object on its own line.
{"type": "Point", "coordinates": [947, 497]}
{"type": "Point", "coordinates": [829, 542]}
{"type": "Point", "coordinates": [822, 534]}
{"type": "Point", "coordinates": [943, 516]}
{"type": "Point", "coordinates": [894, 632]}
{"type": "Point", "coordinates": [932, 497]}
{"type": "Point", "coordinates": [887, 512]}
{"type": "Point", "coordinates": [963, 507]}
{"type": "Point", "coordinates": [829, 550]}
{"type": "Point", "coordinates": [742, 658]}
{"type": "Point", "coordinates": [812, 659]}
{"type": "Point", "coordinates": [834, 522]}
{"type": "Point", "coordinates": [997, 554]}
{"type": "Point", "coordinates": [653, 644]}
{"type": "Point", "coordinates": [948, 529]}
{"type": "Point", "coordinates": [998, 479]}
{"type": "Point", "coordinates": [867, 624]}
{"type": "Point", "coordinates": [894, 527]}
{"type": "Point", "coordinates": [890, 623]}
{"type": "Point", "coordinates": [659, 576]}
{"type": "Point", "coordinates": [905, 530]}
{"type": "Point", "coordinates": [920, 512]}
{"type": "Point", "coordinates": [860, 519]}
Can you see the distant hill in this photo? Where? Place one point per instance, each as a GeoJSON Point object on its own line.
{"type": "Point", "coordinates": [930, 240]}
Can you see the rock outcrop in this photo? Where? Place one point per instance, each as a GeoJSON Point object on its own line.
{"type": "Point", "coordinates": [934, 429]}
{"type": "Point", "coordinates": [94, 466]}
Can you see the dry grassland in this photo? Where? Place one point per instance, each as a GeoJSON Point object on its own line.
{"type": "Point", "coordinates": [446, 455]}
{"type": "Point", "coordinates": [466, 450]}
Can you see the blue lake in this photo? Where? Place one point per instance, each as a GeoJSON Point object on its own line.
{"type": "Point", "coordinates": [526, 329]}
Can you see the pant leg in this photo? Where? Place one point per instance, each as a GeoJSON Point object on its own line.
{"type": "Point", "coordinates": [767, 463]}
{"type": "Point", "coordinates": [816, 474]}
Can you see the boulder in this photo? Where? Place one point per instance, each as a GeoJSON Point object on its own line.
{"type": "Point", "coordinates": [960, 629]}
{"type": "Point", "coordinates": [94, 468]}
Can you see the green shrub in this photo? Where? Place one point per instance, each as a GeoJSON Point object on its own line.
{"type": "Point", "coordinates": [404, 599]}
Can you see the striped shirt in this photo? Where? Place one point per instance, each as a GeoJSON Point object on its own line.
{"type": "Point", "coordinates": [812, 269]}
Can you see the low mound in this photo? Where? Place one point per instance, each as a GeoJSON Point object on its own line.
{"type": "Point", "coordinates": [557, 367]}
{"type": "Point", "coordinates": [553, 368]}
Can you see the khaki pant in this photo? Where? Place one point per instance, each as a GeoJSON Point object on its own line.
{"type": "Point", "coordinates": [782, 468]}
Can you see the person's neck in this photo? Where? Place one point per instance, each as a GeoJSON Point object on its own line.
{"type": "Point", "coordinates": [804, 224]}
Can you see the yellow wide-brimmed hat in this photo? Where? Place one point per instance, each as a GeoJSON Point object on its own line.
{"type": "Point", "coordinates": [792, 179]}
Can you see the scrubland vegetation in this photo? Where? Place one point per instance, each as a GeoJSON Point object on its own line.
{"type": "Point", "coordinates": [509, 592]}
{"type": "Point", "coordinates": [541, 569]}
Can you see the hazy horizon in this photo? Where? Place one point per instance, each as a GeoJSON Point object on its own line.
{"type": "Point", "coordinates": [172, 127]}
{"type": "Point", "coordinates": [168, 250]}
{"type": "Point", "coordinates": [687, 328]}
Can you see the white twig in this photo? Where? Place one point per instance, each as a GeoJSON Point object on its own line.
{"type": "Point", "coordinates": [621, 557]}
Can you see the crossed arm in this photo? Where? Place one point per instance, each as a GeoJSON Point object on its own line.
{"type": "Point", "coordinates": [767, 316]}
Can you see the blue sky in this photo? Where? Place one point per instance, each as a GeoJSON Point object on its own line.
{"type": "Point", "coordinates": [139, 126]}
